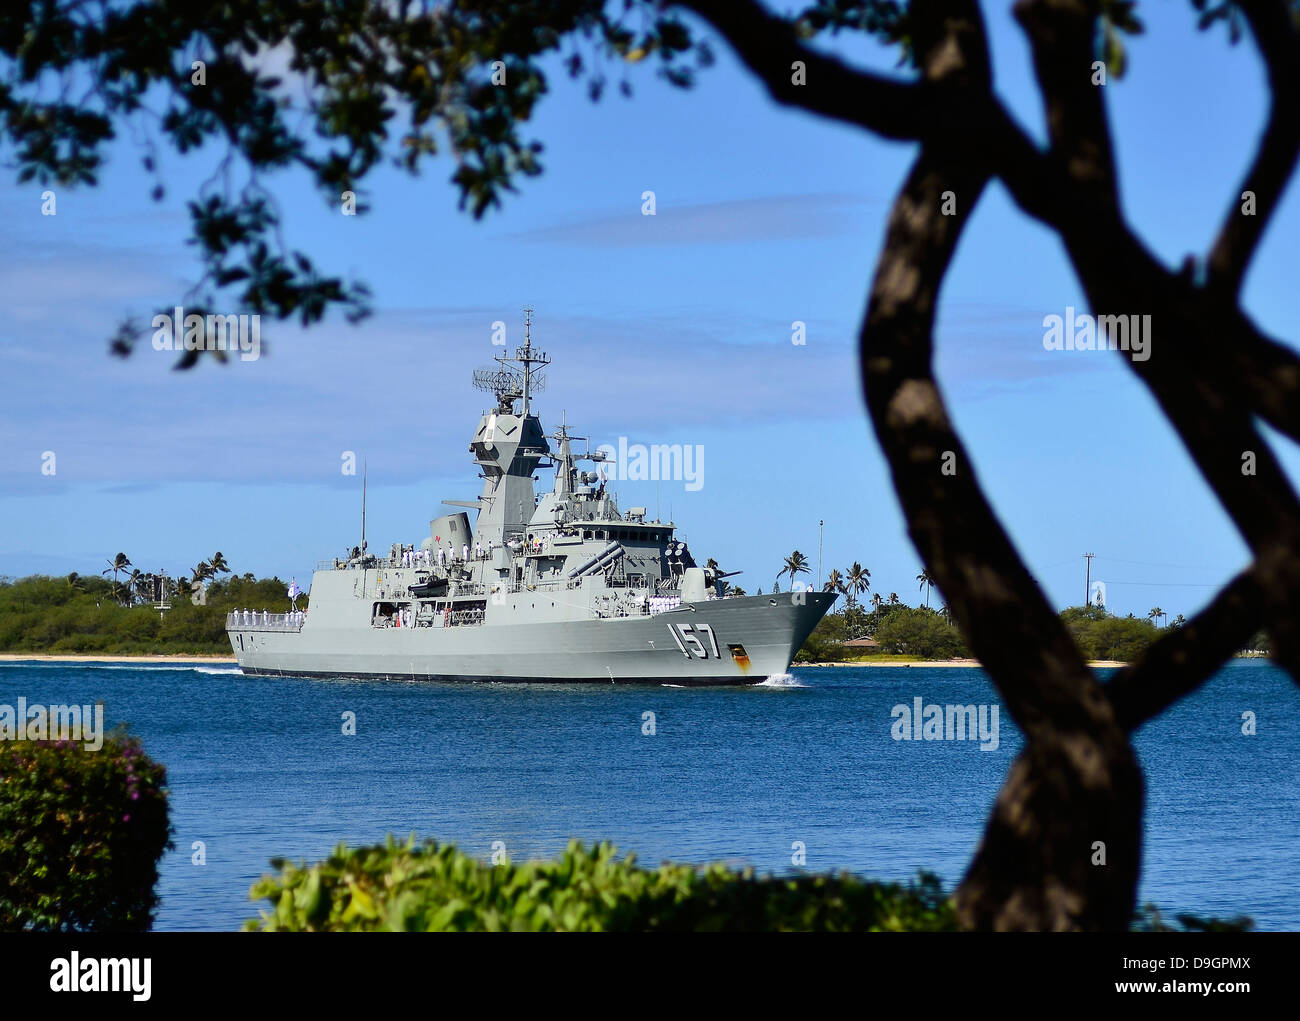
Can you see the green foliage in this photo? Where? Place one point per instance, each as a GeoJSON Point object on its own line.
{"type": "Point", "coordinates": [1099, 635]}
{"type": "Point", "coordinates": [887, 20]}
{"type": "Point", "coordinates": [1116, 17]}
{"type": "Point", "coordinates": [374, 84]}
{"type": "Point", "coordinates": [81, 833]}
{"type": "Point", "coordinates": [824, 645]}
{"type": "Point", "coordinates": [410, 887]}
{"type": "Point", "coordinates": [916, 631]}
{"type": "Point", "coordinates": [53, 615]}
{"type": "Point", "coordinates": [919, 631]}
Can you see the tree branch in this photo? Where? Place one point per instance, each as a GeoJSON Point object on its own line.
{"type": "Point", "coordinates": [1182, 660]}
{"type": "Point", "coordinates": [1278, 40]}
{"type": "Point", "coordinates": [1185, 372]}
{"type": "Point", "coordinates": [769, 47]}
{"type": "Point", "coordinates": [1061, 33]}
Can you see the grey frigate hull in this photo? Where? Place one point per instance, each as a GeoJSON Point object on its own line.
{"type": "Point", "coordinates": [557, 587]}
{"type": "Point", "coordinates": [732, 641]}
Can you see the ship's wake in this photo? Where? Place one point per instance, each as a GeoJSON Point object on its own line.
{"type": "Point", "coordinates": [782, 681]}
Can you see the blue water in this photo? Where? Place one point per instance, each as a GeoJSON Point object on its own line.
{"type": "Point", "coordinates": [259, 768]}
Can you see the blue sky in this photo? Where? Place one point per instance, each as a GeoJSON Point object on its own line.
{"type": "Point", "coordinates": [667, 329]}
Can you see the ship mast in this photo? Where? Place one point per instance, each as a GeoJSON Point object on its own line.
{"type": "Point", "coordinates": [527, 359]}
{"type": "Point", "coordinates": [510, 384]}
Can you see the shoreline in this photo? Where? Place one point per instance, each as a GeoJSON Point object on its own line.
{"type": "Point", "coordinates": [96, 657]}
{"type": "Point", "coordinates": [182, 659]}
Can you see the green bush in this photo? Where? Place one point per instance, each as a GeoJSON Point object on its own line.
{"type": "Point", "coordinates": [919, 631]}
{"type": "Point", "coordinates": [43, 614]}
{"type": "Point", "coordinates": [825, 644]}
{"type": "Point", "coordinates": [410, 887]}
{"type": "Point", "coordinates": [81, 833]}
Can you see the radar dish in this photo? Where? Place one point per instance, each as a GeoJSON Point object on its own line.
{"type": "Point", "coordinates": [510, 383]}
{"type": "Point", "coordinates": [500, 381]}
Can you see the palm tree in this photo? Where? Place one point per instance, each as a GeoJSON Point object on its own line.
{"type": "Point", "coordinates": [1155, 612]}
{"type": "Point", "coordinates": [876, 600]}
{"type": "Point", "coordinates": [946, 611]}
{"type": "Point", "coordinates": [926, 581]}
{"type": "Point", "coordinates": [218, 564]}
{"type": "Point", "coordinates": [134, 584]}
{"type": "Point", "coordinates": [202, 571]}
{"type": "Point", "coordinates": [795, 563]}
{"type": "Point", "coordinates": [834, 581]}
{"type": "Point", "coordinates": [1179, 621]}
{"type": "Point", "coordinates": [857, 581]}
{"type": "Point", "coordinates": [893, 599]}
{"type": "Point", "coordinates": [722, 586]}
{"type": "Point", "coordinates": [115, 566]}
{"type": "Point", "coordinates": [736, 590]}
{"type": "Point", "coordinates": [76, 582]}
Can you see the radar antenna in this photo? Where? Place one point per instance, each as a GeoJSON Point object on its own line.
{"type": "Point", "coordinates": [515, 378]}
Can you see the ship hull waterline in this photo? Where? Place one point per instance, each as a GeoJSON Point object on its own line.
{"type": "Point", "coordinates": [717, 642]}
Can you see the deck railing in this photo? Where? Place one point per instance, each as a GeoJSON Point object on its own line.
{"type": "Point", "coordinates": [262, 620]}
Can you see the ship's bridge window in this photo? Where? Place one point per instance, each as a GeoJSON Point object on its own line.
{"type": "Point", "coordinates": [587, 534]}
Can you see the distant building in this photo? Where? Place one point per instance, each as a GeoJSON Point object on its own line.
{"type": "Point", "coordinates": [861, 643]}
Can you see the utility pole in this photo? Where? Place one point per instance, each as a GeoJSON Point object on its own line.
{"type": "Point", "coordinates": [1087, 578]}
{"type": "Point", "coordinates": [820, 528]}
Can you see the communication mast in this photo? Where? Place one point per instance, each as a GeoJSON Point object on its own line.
{"type": "Point", "coordinates": [510, 383]}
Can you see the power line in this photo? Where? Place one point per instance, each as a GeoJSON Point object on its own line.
{"type": "Point", "coordinates": [1176, 567]}
{"type": "Point", "coordinates": [1170, 584]}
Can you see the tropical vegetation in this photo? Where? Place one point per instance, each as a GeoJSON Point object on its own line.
{"type": "Point", "coordinates": [921, 632]}
{"type": "Point", "coordinates": [151, 614]}
{"type": "Point", "coordinates": [426, 887]}
{"type": "Point", "coordinates": [81, 833]}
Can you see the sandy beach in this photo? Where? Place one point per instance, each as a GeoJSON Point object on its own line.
{"type": "Point", "coordinates": [37, 657]}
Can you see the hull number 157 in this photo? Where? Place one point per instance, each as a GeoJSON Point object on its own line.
{"type": "Point", "coordinates": [687, 637]}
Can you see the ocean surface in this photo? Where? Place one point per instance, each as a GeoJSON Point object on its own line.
{"type": "Point", "coordinates": [260, 768]}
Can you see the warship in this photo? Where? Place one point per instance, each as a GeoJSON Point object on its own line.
{"type": "Point", "coordinates": [559, 587]}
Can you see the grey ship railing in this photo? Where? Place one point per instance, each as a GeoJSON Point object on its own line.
{"type": "Point", "coordinates": [261, 620]}
{"type": "Point", "coordinates": [386, 563]}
